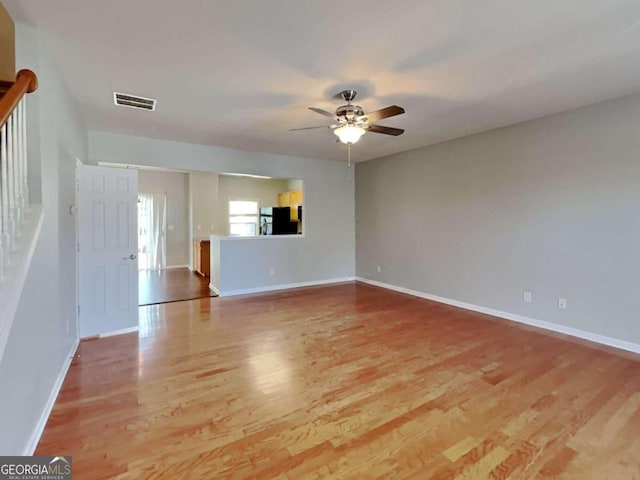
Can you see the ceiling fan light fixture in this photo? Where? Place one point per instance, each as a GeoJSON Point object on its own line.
{"type": "Point", "coordinates": [349, 134]}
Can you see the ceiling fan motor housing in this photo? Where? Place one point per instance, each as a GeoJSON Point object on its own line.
{"type": "Point", "coordinates": [349, 112]}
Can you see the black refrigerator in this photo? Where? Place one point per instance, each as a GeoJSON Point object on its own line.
{"type": "Point", "coordinates": [282, 224]}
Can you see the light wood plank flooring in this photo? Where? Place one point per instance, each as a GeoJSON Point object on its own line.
{"type": "Point", "coordinates": [344, 381]}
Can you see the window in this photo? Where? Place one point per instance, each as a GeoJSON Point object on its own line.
{"type": "Point", "coordinates": [243, 217]}
{"type": "Point", "coordinates": [152, 213]}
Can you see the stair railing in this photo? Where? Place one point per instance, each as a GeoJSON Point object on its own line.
{"type": "Point", "coordinates": [14, 185]}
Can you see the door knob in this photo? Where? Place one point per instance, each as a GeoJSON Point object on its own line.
{"type": "Point", "coordinates": [130, 257]}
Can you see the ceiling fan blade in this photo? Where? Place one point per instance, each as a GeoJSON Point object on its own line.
{"type": "Point", "coordinates": [391, 111]}
{"type": "Point", "coordinates": [386, 130]}
{"type": "Point", "coordinates": [322, 112]}
{"type": "Point", "coordinates": [311, 128]}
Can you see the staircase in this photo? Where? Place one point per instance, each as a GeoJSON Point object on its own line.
{"type": "Point", "coordinates": [19, 220]}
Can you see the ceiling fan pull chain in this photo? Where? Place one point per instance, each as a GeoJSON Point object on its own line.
{"type": "Point", "coordinates": [349, 156]}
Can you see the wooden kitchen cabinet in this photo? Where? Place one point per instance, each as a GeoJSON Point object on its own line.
{"type": "Point", "coordinates": [284, 199]}
{"type": "Point", "coordinates": [295, 197]}
{"type": "Point", "coordinates": [201, 257]}
{"type": "Point", "coordinates": [295, 200]}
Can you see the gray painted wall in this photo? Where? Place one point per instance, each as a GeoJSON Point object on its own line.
{"type": "Point", "coordinates": [44, 329]}
{"type": "Point", "coordinates": [203, 192]}
{"type": "Point", "coordinates": [551, 206]}
{"type": "Point", "coordinates": [327, 248]}
{"type": "Point", "coordinates": [176, 187]}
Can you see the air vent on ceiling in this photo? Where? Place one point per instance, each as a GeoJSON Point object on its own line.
{"type": "Point", "coordinates": [134, 101]}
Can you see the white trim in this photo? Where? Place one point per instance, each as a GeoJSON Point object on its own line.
{"type": "Point", "coordinates": [246, 175]}
{"type": "Point", "coordinates": [141, 167]}
{"type": "Point", "coordinates": [76, 239]}
{"type": "Point", "coordinates": [214, 289]}
{"type": "Point", "coordinates": [118, 332]}
{"type": "Point", "coordinates": [16, 274]}
{"type": "Point", "coordinates": [284, 286]}
{"type": "Point", "coordinates": [554, 327]}
{"type": "Point", "coordinates": [44, 417]}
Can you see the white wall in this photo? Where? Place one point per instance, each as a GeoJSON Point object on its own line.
{"type": "Point", "coordinates": [44, 330]}
{"type": "Point", "coordinates": [551, 206]}
{"type": "Point", "coordinates": [176, 187]}
{"type": "Point", "coordinates": [295, 184]}
{"type": "Point", "coordinates": [326, 250]}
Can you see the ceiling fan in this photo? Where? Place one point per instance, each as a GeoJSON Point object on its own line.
{"type": "Point", "coordinates": [352, 122]}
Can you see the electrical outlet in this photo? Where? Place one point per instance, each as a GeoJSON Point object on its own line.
{"type": "Point", "coordinates": [379, 268]}
{"type": "Point", "coordinates": [526, 297]}
{"type": "Point", "coordinates": [272, 271]}
{"type": "Point", "coordinates": [198, 227]}
{"type": "Point", "coordinates": [562, 303]}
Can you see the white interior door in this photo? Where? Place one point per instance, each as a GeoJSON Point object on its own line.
{"type": "Point", "coordinates": [108, 246]}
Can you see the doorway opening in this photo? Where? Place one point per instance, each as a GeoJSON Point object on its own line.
{"type": "Point", "coordinates": [157, 282]}
{"type": "Point", "coordinates": [152, 216]}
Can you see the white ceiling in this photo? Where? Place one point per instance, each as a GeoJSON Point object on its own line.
{"type": "Point", "coordinates": [241, 73]}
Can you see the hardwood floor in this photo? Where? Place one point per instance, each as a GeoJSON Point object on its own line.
{"type": "Point", "coordinates": [344, 381]}
{"type": "Point", "coordinates": [171, 285]}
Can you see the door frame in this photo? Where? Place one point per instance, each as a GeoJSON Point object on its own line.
{"type": "Point", "coordinates": [79, 163]}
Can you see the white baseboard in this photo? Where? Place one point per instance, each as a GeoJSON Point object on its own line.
{"type": "Point", "coordinates": [119, 332]}
{"type": "Point", "coordinates": [214, 289]}
{"type": "Point", "coordinates": [554, 327]}
{"type": "Point", "coordinates": [42, 422]}
{"type": "Point", "coordinates": [166, 267]}
{"type": "Point", "coordinates": [286, 286]}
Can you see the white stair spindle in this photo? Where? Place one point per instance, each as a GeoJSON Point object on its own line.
{"type": "Point", "coordinates": [3, 155]}
{"type": "Point", "coordinates": [17, 211]}
{"type": "Point", "coordinates": [23, 142]}
{"type": "Point", "coordinates": [17, 135]}
{"type": "Point", "coordinates": [14, 186]}
{"type": "Point", "coordinates": [11, 190]}
{"type": "Point", "coordinates": [4, 199]}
